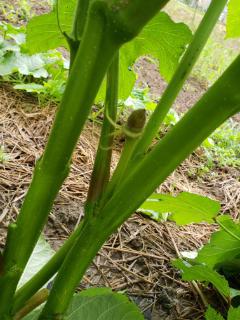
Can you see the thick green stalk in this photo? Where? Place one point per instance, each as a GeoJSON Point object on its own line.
{"type": "Point", "coordinates": [218, 104]}
{"type": "Point", "coordinates": [8, 278]}
{"type": "Point", "coordinates": [189, 59]}
{"type": "Point", "coordinates": [73, 46]}
{"type": "Point", "coordinates": [85, 78]}
{"type": "Point", "coordinates": [39, 298]}
{"type": "Point", "coordinates": [106, 19]}
{"type": "Point", "coordinates": [79, 24]}
{"type": "Point", "coordinates": [72, 42]}
{"type": "Point", "coordinates": [89, 242]}
{"type": "Point", "coordinates": [128, 17]}
{"type": "Point", "coordinates": [80, 19]}
{"type": "Point", "coordinates": [45, 274]}
{"type": "Point", "coordinates": [101, 170]}
{"type": "Point", "coordinates": [124, 20]}
{"type": "Point", "coordinates": [121, 166]}
{"type": "Point", "coordinates": [1, 263]}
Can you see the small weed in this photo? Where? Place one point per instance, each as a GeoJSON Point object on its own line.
{"type": "Point", "coordinates": [223, 147]}
{"type": "Point", "coordinates": [20, 11]}
{"type": "Point", "coordinates": [3, 156]}
{"type": "Point", "coordinates": [47, 70]}
{"type": "Point", "coordinates": [140, 99]}
{"type": "Point", "coordinates": [16, 13]}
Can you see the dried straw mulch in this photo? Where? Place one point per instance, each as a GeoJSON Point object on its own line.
{"type": "Point", "coordinates": [136, 259]}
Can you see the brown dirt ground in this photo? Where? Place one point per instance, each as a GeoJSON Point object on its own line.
{"type": "Point", "coordinates": [136, 259]}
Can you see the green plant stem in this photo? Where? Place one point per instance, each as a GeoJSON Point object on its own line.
{"type": "Point", "coordinates": [101, 170]}
{"type": "Point", "coordinates": [134, 128]}
{"type": "Point", "coordinates": [53, 167]}
{"type": "Point", "coordinates": [73, 47]}
{"type": "Point", "coordinates": [35, 301]}
{"type": "Point", "coordinates": [72, 42]}
{"type": "Point", "coordinates": [7, 278]}
{"type": "Point", "coordinates": [121, 166]}
{"type": "Point", "coordinates": [91, 239]}
{"type": "Point", "coordinates": [210, 112]}
{"type": "Point", "coordinates": [80, 19]}
{"type": "Point", "coordinates": [79, 24]}
{"type": "Point", "coordinates": [129, 17]}
{"type": "Point", "coordinates": [1, 263]}
{"type": "Point", "coordinates": [189, 59]}
{"type": "Point", "coordinates": [45, 274]}
{"type": "Point", "coordinates": [106, 30]}
{"type": "Point", "coordinates": [219, 103]}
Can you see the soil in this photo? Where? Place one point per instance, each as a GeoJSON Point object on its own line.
{"type": "Point", "coordinates": [148, 76]}
{"type": "Point", "coordinates": [137, 258]}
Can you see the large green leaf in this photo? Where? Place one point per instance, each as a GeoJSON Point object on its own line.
{"type": "Point", "coordinates": [233, 19]}
{"type": "Point", "coordinates": [185, 208]}
{"type": "Point", "coordinates": [40, 256]}
{"type": "Point", "coordinates": [7, 64]}
{"type": "Point", "coordinates": [66, 11]}
{"type": "Point", "coordinates": [34, 65]}
{"type": "Point", "coordinates": [161, 38]}
{"type": "Point", "coordinates": [224, 245]}
{"type": "Point", "coordinates": [99, 303]}
{"type": "Point", "coordinates": [165, 40]}
{"type": "Point", "coordinates": [43, 33]}
{"type": "Point", "coordinates": [212, 314]}
{"type": "Point", "coordinates": [203, 273]}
